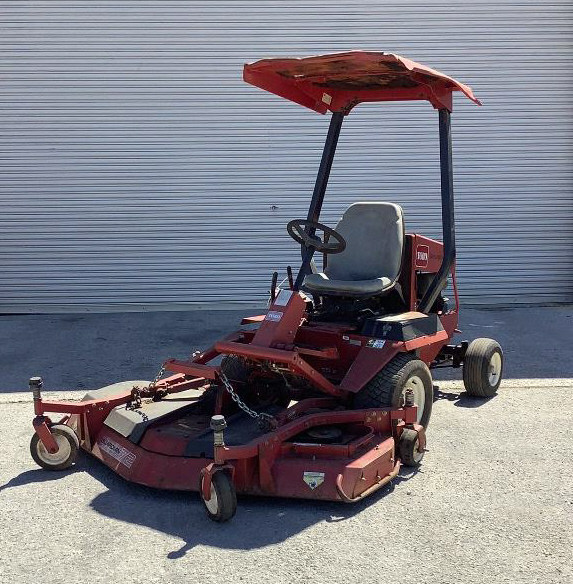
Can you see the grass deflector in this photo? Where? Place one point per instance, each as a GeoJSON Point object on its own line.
{"type": "Point", "coordinates": [329, 392]}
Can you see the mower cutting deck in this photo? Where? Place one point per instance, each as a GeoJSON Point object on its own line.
{"type": "Point", "coordinates": [329, 392]}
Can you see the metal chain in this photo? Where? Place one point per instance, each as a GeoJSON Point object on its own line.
{"type": "Point", "coordinates": [136, 402]}
{"type": "Point", "coordinates": [157, 378]}
{"type": "Point", "coordinates": [264, 419]}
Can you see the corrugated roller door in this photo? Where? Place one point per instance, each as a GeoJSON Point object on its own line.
{"type": "Point", "coordinates": [138, 170]}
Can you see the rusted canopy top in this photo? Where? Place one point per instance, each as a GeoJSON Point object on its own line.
{"type": "Point", "coordinates": [339, 81]}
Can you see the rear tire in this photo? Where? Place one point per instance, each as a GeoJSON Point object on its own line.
{"type": "Point", "coordinates": [387, 388]}
{"type": "Point", "coordinates": [235, 368]}
{"type": "Point", "coordinates": [68, 446]}
{"type": "Point", "coordinates": [250, 385]}
{"type": "Point", "coordinates": [483, 367]}
{"type": "Point", "coordinates": [223, 502]}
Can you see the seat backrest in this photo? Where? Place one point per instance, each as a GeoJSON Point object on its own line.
{"type": "Point", "coordinates": [374, 234]}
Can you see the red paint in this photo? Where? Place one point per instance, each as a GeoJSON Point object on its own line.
{"type": "Point", "coordinates": [291, 358]}
{"type": "Point", "coordinates": [273, 464]}
{"type": "Point", "coordinates": [333, 357]}
{"type": "Point", "coordinates": [191, 368]}
{"type": "Point", "coordinates": [41, 427]}
{"type": "Point", "coordinates": [434, 250]}
{"type": "Point", "coordinates": [339, 82]}
{"type": "Point", "coordinates": [281, 323]}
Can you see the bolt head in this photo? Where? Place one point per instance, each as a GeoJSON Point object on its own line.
{"type": "Point", "coordinates": [218, 423]}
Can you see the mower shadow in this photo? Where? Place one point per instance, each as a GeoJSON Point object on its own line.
{"type": "Point", "coordinates": [34, 476]}
{"type": "Point", "coordinates": [461, 400]}
{"type": "Point", "coordinates": [259, 521]}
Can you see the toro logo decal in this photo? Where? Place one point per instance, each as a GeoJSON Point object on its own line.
{"type": "Point", "coordinates": [117, 451]}
{"type": "Point", "coordinates": [274, 315]}
{"type": "Point", "coordinates": [422, 256]}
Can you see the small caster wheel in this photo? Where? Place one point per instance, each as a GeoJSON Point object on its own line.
{"type": "Point", "coordinates": [483, 367]}
{"type": "Point", "coordinates": [68, 446]}
{"type": "Point", "coordinates": [408, 448]}
{"type": "Point", "coordinates": [223, 502]}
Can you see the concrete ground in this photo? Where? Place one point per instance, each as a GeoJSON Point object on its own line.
{"type": "Point", "coordinates": [492, 502]}
{"type": "Point", "coordinates": [86, 351]}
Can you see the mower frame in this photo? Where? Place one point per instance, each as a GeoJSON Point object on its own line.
{"type": "Point", "coordinates": [335, 359]}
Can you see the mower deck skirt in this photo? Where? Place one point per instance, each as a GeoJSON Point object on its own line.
{"type": "Point", "coordinates": [336, 473]}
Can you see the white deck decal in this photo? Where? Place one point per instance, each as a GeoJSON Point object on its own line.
{"type": "Point", "coordinates": [117, 451]}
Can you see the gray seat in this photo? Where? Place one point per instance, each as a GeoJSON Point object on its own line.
{"type": "Point", "coordinates": [371, 262]}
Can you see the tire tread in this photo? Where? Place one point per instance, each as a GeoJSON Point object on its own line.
{"type": "Point", "coordinates": [406, 447]}
{"type": "Point", "coordinates": [227, 496]}
{"type": "Point", "coordinates": [379, 389]}
{"type": "Point", "coordinates": [473, 367]}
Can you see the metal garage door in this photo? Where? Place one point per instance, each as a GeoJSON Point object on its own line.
{"type": "Point", "coordinates": [139, 171]}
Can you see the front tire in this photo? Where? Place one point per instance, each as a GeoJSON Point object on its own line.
{"type": "Point", "coordinates": [388, 387]}
{"type": "Point", "coordinates": [223, 502]}
{"type": "Point", "coordinates": [409, 448]}
{"type": "Point", "coordinates": [483, 367]}
{"type": "Point", "coordinates": [68, 446]}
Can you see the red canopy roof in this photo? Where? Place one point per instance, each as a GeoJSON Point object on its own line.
{"type": "Point", "coordinates": [339, 81]}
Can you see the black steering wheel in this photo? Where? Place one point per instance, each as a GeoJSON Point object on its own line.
{"type": "Point", "coordinates": [297, 229]}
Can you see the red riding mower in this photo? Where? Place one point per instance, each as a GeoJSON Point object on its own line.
{"type": "Point", "coordinates": [326, 394]}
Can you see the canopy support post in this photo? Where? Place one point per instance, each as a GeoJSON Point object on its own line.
{"type": "Point", "coordinates": [320, 189]}
{"type": "Point", "coordinates": [449, 236]}
{"type": "Point", "coordinates": [325, 166]}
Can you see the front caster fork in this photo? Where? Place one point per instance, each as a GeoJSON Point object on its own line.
{"type": "Point", "coordinates": [42, 427]}
{"type": "Point", "coordinates": [216, 486]}
{"type": "Point", "coordinates": [42, 423]}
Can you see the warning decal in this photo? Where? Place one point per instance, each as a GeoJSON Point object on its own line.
{"type": "Point", "coordinates": [313, 479]}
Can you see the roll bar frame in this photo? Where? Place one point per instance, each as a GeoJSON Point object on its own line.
{"type": "Point", "coordinates": [447, 196]}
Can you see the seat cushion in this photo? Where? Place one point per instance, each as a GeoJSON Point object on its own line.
{"type": "Point", "coordinates": [374, 234]}
{"type": "Point", "coordinates": [370, 264]}
{"type": "Point", "coordinates": [321, 284]}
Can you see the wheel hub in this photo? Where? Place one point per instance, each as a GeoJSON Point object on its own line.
{"type": "Point", "coordinates": [417, 386]}
{"type": "Point", "coordinates": [417, 454]}
{"type": "Point", "coordinates": [64, 451]}
{"type": "Point", "coordinates": [494, 369]}
{"type": "Point", "coordinates": [213, 503]}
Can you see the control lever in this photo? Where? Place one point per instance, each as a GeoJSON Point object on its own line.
{"type": "Point", "coordinates": [273, 289]}
{"type": "Point", "coordinates": [290, 278]}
